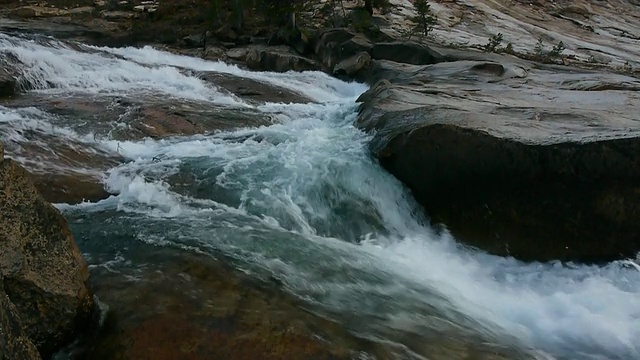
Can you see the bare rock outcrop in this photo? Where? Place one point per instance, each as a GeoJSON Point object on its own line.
{"type": "Point", "coordinates": [43, 272]}
{"type": "Point", "coordinates": [540, 163]}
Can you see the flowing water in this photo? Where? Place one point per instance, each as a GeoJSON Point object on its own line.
{"type": "Point", "coordinates": [302, 201]}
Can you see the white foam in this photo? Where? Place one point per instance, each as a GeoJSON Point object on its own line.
{"type": "Point", "coordinates": [57, 67]}
{"type": "Point", "coordinates": [24, 129]}
{"type": "Point", "coordinates": [580, 311]}
{"type": "Point", "coordinates": [14, 122]}
{"type": "Point", "coordinates": [576, 310]}
{"type": "Point", "coordinates": [314, 84]}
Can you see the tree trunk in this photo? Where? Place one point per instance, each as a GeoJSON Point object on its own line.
{"type": "Point", "coordinates": [368, 5]}
{"type": "Point", "coordinates": [214, 13]}
{"type": "Point", "coordinates": [291, 20]}
{"type": "Point", "coordinates": [238, 14]}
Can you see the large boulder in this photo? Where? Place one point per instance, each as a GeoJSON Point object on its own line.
{"type": "Point", "coordinates": [337, 45]}
{"type": "Point", "coordinates": [301, 41]}
{"type": "Point", "coordinates": [44, 274]}
{"type": "Point", "coordinates": [541, 172]}
{"type": "Point", "coordinates": [331, 37]}
{"type": "Point", "coordinates": [353, 67]}
{"type": "Point", "coordinates": [14, 343]}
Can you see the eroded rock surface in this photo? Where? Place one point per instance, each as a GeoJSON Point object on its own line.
{"type": "Point", "coordinates": [535, 162]}
{"type": "Point", "coordinates": [595, 33]}
{"type": "Point", "coordinates": [44, 274]}
{"type": "Point", "coordinates": [14, 343]}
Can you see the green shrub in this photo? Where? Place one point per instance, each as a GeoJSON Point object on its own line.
{"type": "Point", "coordinates": [493, 43]}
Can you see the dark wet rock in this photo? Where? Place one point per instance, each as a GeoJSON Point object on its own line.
{"type": "Point", "coordinates": [71, 188]}
{"type": "Point", "coordinates": [7, 82]}
{"type": "Point", "coordinates": [38, 11]}
{"type": "Point", "coordinates": [252, 90]}
{"type": "Point", "coordinates": [355, 45]}
{"type": "Point", "coordinates": [332, 36]}
{"type": "Point", "coordinates": [159, 121]}
{"type": "Point", "coordinates": [353, 67]}
{"type": "Point", "coordinates": [96, 31]}
{"type": "Point", "coordinates": [186, 306]}
{"type": "Point", "coordinates": [14, 343]}
{"type": "Point", "coordinates": [278, 59]}
{"type": "Point", "coordinates": [214, 53]}
{"type": "Point", "coordinates": [44, 273]}
{"type": "Point", "coordinates": [238, 54]}
{"type": "Point", "coordinates": [225, 33]}
{"type": "Point", "coordinates": [294, 37]}
{"type": "Point", "coordinates": [194, 41]}
{"type": "Point", "coordinates": [66, 170]}
{"type": "Point", "coordinates": [512, 162]}
{"type": "Point", "coordinates": [337, 45]}
{"type": "Point", "coordinates": [406, 52]}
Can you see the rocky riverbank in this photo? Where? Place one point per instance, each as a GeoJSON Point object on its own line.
{"type": "Point", "coordinates": [518, 158]}
{"type": "Point", "coordinates": [535, 163]}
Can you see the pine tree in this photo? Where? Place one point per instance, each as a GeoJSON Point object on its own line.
{"type": "Point", "coordinates": [424, 19]}
{"type": "Point", "coordinates": [368, 5]}
{"type": "Point", "coordinates": [238, 14]}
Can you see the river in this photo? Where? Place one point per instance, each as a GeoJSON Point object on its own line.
{"type": "Point", "coordinates": [302, 201]}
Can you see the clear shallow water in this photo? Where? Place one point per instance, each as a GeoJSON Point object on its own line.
{"type": "Point", "coordinates": [302, 201]}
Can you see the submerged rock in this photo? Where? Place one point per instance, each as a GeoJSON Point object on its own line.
{"type": "Point", "coordinates": [515, 160]}
{"type": "Point", "coordinates": [253, 90]}
{"type": "Point", "coordinates": [43, 271]}
{"type": "Point", "coordinates": [161, 121]}
{"type": "Point", "coordinates": [186, 306]}
{"type": "Point", "coordinates": [72, 188]}
{"type": "Point", "coordinates": [63, 169]}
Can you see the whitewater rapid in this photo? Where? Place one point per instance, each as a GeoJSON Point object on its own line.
{"type": "Point", "coordinates": [303, 201]}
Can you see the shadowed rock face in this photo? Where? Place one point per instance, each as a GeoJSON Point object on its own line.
{"type": "Point", "coordinates": [43, 271]}
{"type": "Point", "coordinates": [14, 344]}
{"type": "Point", "coordinates": [539, 164]}
{"type": "Point", "coordinates": [7, 82]}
